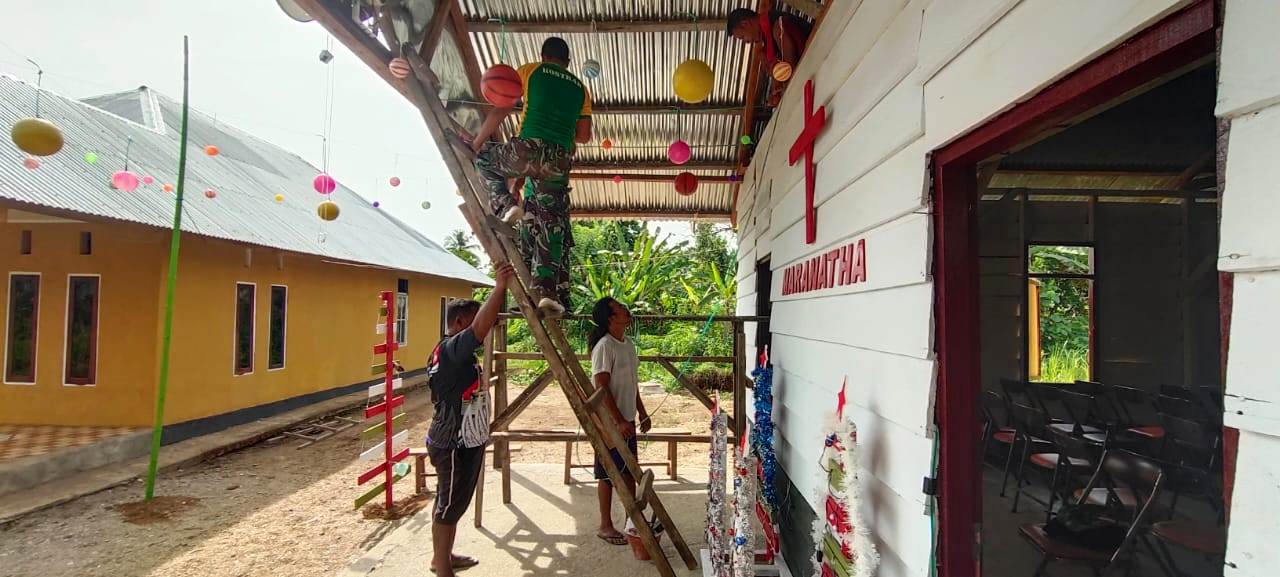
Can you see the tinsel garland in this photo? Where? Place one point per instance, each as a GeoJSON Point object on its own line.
{"type": "Point", "coordinates": [762, 435]}
{"type": "Point", "coordinates": [843, 544]}
{"type": "Point", "coordinates": [717, 539]}
{"type": "Point", "coordinates": [744, 500]}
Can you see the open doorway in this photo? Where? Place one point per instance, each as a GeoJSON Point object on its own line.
{"type": "Point", "coordinates": [1078, 323]}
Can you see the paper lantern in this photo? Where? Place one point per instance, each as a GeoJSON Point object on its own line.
{"type": "Point", "coordinates": [91, 158]}
{"type": "Point", "coordinates": [399, 67]}
{"type": "Point", "coordinates": [395, 181]}
{"type": "Point", "coordinates": [501, 85]}
{"type": "Point", "coordinates": [124, 180]}
{"type": "Point", "coordinates": [679, 152]}
{"type": "Point", "coordinates": [211, 150]}
{"type": "Point", "coordinates": [591, 69]}
{"type": "Point", "coordinates": [279, 198]}
{"type": "Point", "coordinates": [781, 71]}
{"type": "Point", "coordinates": [209, 193]}
{"type": "Point", "coordinates": [686, 183]}
{"type": "Point", "coordinates": [168, 188]}
{"type": "Point", "coordinates": [30, 163]}
{"type": "Point", "coordinates": [606, 144]}
{"type": "Point", "coordinates": [376, 204]}
{"type": "Point", "coordinates": [693, 80]}
{"type": "Point", "coordinates": [745, 140]}
{"type": "Point", "coordinates": [328, 210]}
{"type": "Point", "coordinates": [617, 179]}
{"type": "Point", "coordinates": [36, 136]}
{"type": "Point", "coordinates": [148, 179]}
{"type": "Point", "coordinates": [324, 184]}
{"type": "Point", "coordinates": [733, 178]}
{"type": "Point", "coordinates": [426, 204]}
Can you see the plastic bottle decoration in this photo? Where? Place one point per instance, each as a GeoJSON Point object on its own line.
{"type": "Point", "coordinates": [211, 150]}
{"type": "Point", "coordinates": [328, 210]}
{"type": "Point", "coordinates": [399, 67]}
{"type": "Point", "coordinates": [279, 198]}
{"type": "Point", "coordinates": [679, 152]}
{"type": "Point", "coordinates": [395, 181]}
{"type": "Point", "coordinates": [91, 157]}
{"type": "Point", "coordinates": [617, 179]}
{"type": "Point", "coordinates": [30, 163]}
{"type": "Point", "coordinates": [501, 85]}
{"type": "Point", "coordinates": [209, 193]}
{"type": "Point", "coordinates": [591, 69]}
{"type": "Point", "coordinates": [148, 179]}
{"type": "Point", "coordinates": [693, 80]}
{"type": "Point", "coordinates": [781, 71]}
{"type": "Point", "coordinates": [606, 144]}
{"type": "Point", "coordinates": [326, 56]}
{"type": "Point", "coordinates": [426, 204]}
{"type": "Point", "coordinates": [124, 180]}
{"type": "Point", "coordinates": [36, 136]}
{"type": "Point", "coordinates": [686, 183]}
{"type": "Point", "coordinates": [324, 184]}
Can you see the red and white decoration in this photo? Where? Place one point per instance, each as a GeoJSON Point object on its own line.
{"type": "Point", "coordinates": [842, 543]}
{"type": "Point", "coordinates": [814, 122]}
{"type": "Point", "coordinates": [391, 469]}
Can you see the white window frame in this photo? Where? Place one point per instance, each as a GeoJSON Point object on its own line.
{"type": "Point", "coordinates": [253, 329]}
{"type": "Point", "coordinates": [402, 337]}
{"type": "Point", "coordinates": [66, 330]}
{"type": "Point", "coordinates": [8, 305]}
{"type": "Point", "coordinates": [284, 334]}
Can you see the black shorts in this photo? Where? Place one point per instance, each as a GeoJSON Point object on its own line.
{"type": "Point", "coordinates": [601, 475]}
{"type": "Point", "coordinates": [457, 471]}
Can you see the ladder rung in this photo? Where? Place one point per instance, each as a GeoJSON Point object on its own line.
{"type": "Point", "coordinates": [593, 402]}
{"type": "Point", "coordinates": [643, 488]}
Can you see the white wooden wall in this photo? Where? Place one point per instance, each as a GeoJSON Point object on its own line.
{"type": "Point", "coordinates": [1249, 95]}
{"type": "Point", "coordinates": [899, 78]}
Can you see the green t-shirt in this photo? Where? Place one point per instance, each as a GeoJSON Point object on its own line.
{"type": "Point", "coordinates": [554, 101]}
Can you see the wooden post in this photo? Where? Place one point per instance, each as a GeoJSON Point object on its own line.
{"type": "Point", "coordinates": [480, 492]}
{"type": "Point", "coordinates": [739, 391]}
{"type": "Point", "coordinates": [502, 450]}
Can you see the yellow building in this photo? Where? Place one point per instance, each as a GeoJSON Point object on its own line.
{"type": "Point", "coordinates": [274, 307]}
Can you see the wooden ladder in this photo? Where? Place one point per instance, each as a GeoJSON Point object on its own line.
{"type": "Point", "coordinates": [578, 388]}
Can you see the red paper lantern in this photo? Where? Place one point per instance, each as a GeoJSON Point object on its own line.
{"type": "Point", "coordinates": [686, 183]}
{"type": "Point", "coordinates": [399, 67]}
{"type": "Point", "coordinates": [501, 85]}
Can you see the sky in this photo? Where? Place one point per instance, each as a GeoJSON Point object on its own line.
{"type": "Point", "coordinates": [254, 68]}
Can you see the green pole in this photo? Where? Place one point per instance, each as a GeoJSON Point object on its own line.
{"type": "Point", "coordinates": [176, 236]}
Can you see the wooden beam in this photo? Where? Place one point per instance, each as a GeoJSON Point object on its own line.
{"type": "Point", "coordinates": [698, 393]}
{"type": "Point", "coordinates": [469, 62]}
{"type": "Point", "coordinates": [749, 111]}
{"type": "Point", "coordinates": [338, 22]}
{"type": "Point", "coordinates": [514, 356]}
{"type": "Point", "coordinates": [494, 26]}
{"type": "Point", "coordinates": [610, 164]}
{"type": "Point", "coordinates": [601, 214]}
{"type": "Point", "coordinates": [584, 176]}
{"type": "Point", "coordinates": [432, 37]}
{"type": "Point", "coordinates": [808, 7]}
{"type": "Point", "coordinates": [522, 402]}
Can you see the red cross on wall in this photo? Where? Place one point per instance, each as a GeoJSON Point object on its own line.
{"type": "Point", "coordinates": [814, 121]}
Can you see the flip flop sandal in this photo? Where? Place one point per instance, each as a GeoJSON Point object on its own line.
{"type": "Point", "coordinates": [462, 562]}
{"type": "Point", "coordinates": [612, 539]}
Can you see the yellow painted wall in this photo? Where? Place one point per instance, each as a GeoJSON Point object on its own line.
{"type": "Point", "coordinates": [126, 257]}
{"type": "Point", "coordinates": [332, 311]}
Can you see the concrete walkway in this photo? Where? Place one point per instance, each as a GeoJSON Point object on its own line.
{"type": "Point", "coordinates": [177, 455]}
{"type": "Point", "coordinates": [548, 529]}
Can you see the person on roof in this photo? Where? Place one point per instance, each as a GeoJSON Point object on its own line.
{"type": "Point", "coordinates": [784, 37]}
{"type": "Point", "coordinates": [557, 115]}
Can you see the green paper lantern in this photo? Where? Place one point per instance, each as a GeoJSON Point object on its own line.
{"type": "Point", "coordinates": [91, 158]}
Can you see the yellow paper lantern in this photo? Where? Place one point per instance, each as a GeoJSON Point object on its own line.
{"type": "Point", "coordinates": [782, 71]}
{"type": "Point", "coordinates": [279, 198]}
{"type": "Point", "coordinates": [693, 81]}
{"type": "Point", "coordinates": [36, 136]}
{"type": "Point", "coordinates": [328, 210]}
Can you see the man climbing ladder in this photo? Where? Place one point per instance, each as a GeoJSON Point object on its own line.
{"type": "Point", "coordinates": [557, 114]}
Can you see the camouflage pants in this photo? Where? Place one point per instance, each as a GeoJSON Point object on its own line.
{"type": "Point", "coordinates": [544, 237]}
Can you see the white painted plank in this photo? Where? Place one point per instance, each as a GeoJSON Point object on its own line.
{"type": "Point", "coordinates": [950, 26]}
{"type": "Point", "coordinates": [378, 451]}
{"type": "Point", "coordinates": [1252, 551]}
{"type": "Point", "coordinates": [1251, 203]}
{"type": "Point", "coordinates": [897, 254]}
{"type": "Point", "coordinates": [1251, 398]}
{"type": "Point", "coordinates": [897, 320]}
{"type": "Point", "coordinates": [764, 246]}
{"type": "Point", "coordinates": [894, 188]}
{"type": "Point", "coordinates": [376, 390]}
{"type": "Point", "coordinates": [1249, 78]}
{"type": "Point", "coordinates": [1034, 44]}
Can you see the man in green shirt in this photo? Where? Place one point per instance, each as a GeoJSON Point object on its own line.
{"type": "Point", "coordinates": [557, 114]}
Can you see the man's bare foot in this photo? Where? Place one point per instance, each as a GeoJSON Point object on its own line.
{"type": "Point", "coordinates": [612, 536]}
{"type": "Point", "coordinates": [461, 141]}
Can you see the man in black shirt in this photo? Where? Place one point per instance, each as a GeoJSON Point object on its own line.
{"type": "Point", "coordinates": [460, 424]}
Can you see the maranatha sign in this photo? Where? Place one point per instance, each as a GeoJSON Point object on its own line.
{"type": "Point", "coordinates": [840, 266]}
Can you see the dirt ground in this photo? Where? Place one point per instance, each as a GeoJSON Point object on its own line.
{"type": "Point", "coordinates": [270, 509]}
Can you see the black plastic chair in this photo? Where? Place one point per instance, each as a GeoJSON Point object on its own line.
{"type": "Point", "coordinates": [1118, 468]}
{"type": "Point", "coordinates": [995, 425]}
{"type": "Point", "coordinates": [1140, 418]}
{"type": "Point", "coordinates": [1075, 455]}
{"type": "Point", "coordinates": [1068, 411]}
{"type": "Point", "coordinates": [1033, 427]}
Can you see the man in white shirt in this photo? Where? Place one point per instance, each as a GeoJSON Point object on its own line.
{"type": "Point", "coordinates": [614, 365]}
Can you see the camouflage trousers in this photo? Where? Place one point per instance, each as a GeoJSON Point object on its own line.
{"type": "Point", "coordinates": [544, 237]}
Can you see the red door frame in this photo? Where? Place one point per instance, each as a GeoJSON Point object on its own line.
{"type": "Point", "coordinates": [1175, 41]}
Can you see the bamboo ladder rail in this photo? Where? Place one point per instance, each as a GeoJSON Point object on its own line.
{"type": "Point", "coordinates": [574, 382]}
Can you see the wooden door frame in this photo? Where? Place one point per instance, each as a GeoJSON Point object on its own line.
{"type": "Point", "coordinates": [1174, 42]}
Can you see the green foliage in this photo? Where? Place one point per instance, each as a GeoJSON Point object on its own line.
{"type": "Point", "coordinates": [1064, 365]}
{"type": "Point", "coordinates": [1064, 312]}
{"type": "Point", "coordinates": [459, 243]}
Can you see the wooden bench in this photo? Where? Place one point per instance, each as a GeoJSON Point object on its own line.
{"type": "Point", "coordinates": [673, 437]}
{"type": "Point", "coordinates": [420, 469]}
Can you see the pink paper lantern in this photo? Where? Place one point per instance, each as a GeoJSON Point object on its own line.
{"type": "Point", "coordinates": [679, 152]}
{"type": "Point", "coordinates": [395, 181]}
{"type": "Point", "coordinates": [124, 180]}
{"type": "Point", "coordinates": [147, 179]}
{"type": "Point", "coordinates": [30, 163]}
{"type": "Point", "coordinates": [209, 193]}
{"type": "Point", "coordinates": [324, 184]}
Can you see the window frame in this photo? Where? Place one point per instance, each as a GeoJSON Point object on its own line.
{"type": "Point", "coordinates": [35, 332]}
{"type": "Point", "coordinates": [1090, 277]}
{"type": "Point", "coordinates": [92, 380]}
{"type": "Point", "coordinates": [235, 328]}
{"type": "Point", "coordinates": [402, 337]}
{"type": "Point", "coordinates": [284, 329]}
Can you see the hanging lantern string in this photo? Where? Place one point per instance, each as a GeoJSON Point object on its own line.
{"type": "Point", "coordinates": [127, 145]}
{"type": "Point", "coordinates": [39, 81]}
{"type": "Point", "coordinates": [327, 112]}
{"type": "Point", "coordinates": [502, 38]}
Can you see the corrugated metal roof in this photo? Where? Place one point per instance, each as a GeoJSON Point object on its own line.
{"type": "Point", "coordinates": [637, 68]}
{"type": "Point", "coordinates": [247, 174]}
